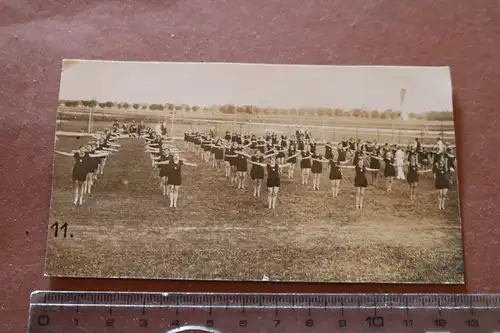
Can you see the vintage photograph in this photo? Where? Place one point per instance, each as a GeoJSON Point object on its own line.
{"type": "Point", "coordinates": [255, 172]}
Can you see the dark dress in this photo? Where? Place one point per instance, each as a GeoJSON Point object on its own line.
{"type": "Point", "coordinates": [292, 152]}
{"type": "Point", "coordinates": [335, 170]}
{"type": "Point", "coordinates": [305, 163]}
{"type": "Point", "coordinates": [442, 180]}
{"type": "Point", "coordinates": [328, 152]}
{"type": "Point", "coordinates": [356, 158]}
{"type": "Point", "coordinates": [300, 145]}
{"type": "Point", "coordinates": [262, 146]}
{"type": "Point", "coordinates": [257, 171]}
{"type": "Point", "coordinates": [241, 163]}
{"type": "Point", "coordinates": [342, 155]}
{"type": "Point", "coordinates": [360, 179]}
{"type": "Point", "coordinates": [412, 175]}
{"type": "Point", "coordinates": [174, 175]}
{"type": "Point", "coordinates": [374, 162]}
{"type": "Point", "coordinates": [273, 176]}
{"type": "Point", "coordinates": [390, 169]}
{"type": "Point", "coordinates": [281, 152]}
{"type": "Point", "coordinates": [413, 153]}
{"type": "Point", "coordinates": [81, 167]}
{"type": "Point", "coordinates": [164, 168]}
{"type": "Point", "coordinates": [219, 152]}
{"type": "Point", "coordinates": [317, 167]}
{"type": "Point", "coordinates": [232, 160]}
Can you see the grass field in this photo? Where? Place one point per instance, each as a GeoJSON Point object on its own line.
{"type": "Point", "coordinates": [219, 232]}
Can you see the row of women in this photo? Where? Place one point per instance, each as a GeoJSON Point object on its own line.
{"type": "Point", "coordinates": [274, 153]}
{"type": "Point", "coordinates": [89, 163]}
{"type": "Point", "coordinates": [166, 159]}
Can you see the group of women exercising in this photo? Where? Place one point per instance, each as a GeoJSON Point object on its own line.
{"type": "Point", "coordinates": [89, 163]}
{"type": "Point", "coordinates": [274, 155]}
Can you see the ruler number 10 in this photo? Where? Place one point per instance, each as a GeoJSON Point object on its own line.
{"type": "Point", "coordinates": [375, 321]}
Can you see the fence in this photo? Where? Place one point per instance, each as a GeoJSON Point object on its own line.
{"type": "Point", "coordinates": [324, 132]}
{"type": "Point", "coordinates": [333, 129]}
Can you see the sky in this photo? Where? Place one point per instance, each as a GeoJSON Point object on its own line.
{"type": "Point", "coordinates": [276, 86]}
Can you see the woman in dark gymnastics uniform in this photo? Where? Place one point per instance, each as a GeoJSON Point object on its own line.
{"type": "Point", "coordinates": [280, 153]}
{"type": "Point", "coordinates": [389, 169]}
{"type": "Point", "coordinates": [305, 164]}
{"type": "Point", "coordinates": [360, 182]}
{"type": "Point", "coordinates": [328, 151]}
{"type": "Point", "coordinates": [317, 168]}
{"type": "Point", "coordinates": [412, 176]}
{"type": "Point", "coordinates": [335, 175]}
{"type": "Point", "coordinates": [342, 152]}
{"type": "Point", "coordinates": [375, 163]}
{"type": "Point", "coordinates": [442, 183]}
{"type": "Point", "coordinates": [174, 178]}
{"type": "Point", "coordinates": [197, 144]}
{"type": "Point", "coordinates": [205, 145]}
{"type": "Point", "coordinates": [292, 159]}
{"type": "Point", "coordinates": [92, 169]}
{"type": "Point", "coordinates": [257, 172]}
{"type": "Point", "coordinates": [451, 163]}
{"type": "Point", "coordinates": [80, 169]}
{"type": "Point", "coordinates": [273, 180]}
{"type": "Point", "coordinates": [163, 161]}
{"type": "Point", "coordinates": [218, 154]}
{"type": "Point", "coordinates": [241, 167]}
{"type": "Point", "coordinates": [232, 155]}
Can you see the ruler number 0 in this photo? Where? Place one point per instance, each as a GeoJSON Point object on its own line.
{"type": "Point", "coordinates": [43, 320]}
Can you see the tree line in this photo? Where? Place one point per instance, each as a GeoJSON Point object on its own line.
{"type": "Point", "coordinates": [254, 110]}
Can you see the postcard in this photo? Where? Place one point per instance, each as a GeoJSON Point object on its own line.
{"type": "Point", "coordinates": [255, 172]}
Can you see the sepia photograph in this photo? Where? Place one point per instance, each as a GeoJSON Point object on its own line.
{"type": "Point", "coordinates": [255, 172]}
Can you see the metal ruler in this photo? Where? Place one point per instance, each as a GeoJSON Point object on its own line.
{"type": "Point", "coordinates": [96, 312]}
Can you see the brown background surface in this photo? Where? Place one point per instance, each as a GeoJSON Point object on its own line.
{"type": "Point", "coordinates": [36, 35]}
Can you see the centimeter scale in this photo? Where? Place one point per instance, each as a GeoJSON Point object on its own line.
{"type": "Point", "coordinates": [71, 312]}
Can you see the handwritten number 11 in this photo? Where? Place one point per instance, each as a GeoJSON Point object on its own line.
{"type": "Point", "coordinates": [56, 228]}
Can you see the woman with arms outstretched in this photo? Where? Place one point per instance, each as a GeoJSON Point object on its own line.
{"type": "Point", "coordinates": [273, 180]}
{"type": "Point", "coordinates": [80, 169]}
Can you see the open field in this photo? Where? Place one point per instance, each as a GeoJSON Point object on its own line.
{"type": "Point", "coordinates": [219, 232]}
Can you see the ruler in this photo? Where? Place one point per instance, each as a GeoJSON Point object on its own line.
{"type": "Point", "coordinates": [96, 312]}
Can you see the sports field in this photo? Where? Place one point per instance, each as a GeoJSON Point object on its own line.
{"type": "Point", "coordinates": [126, 229]}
